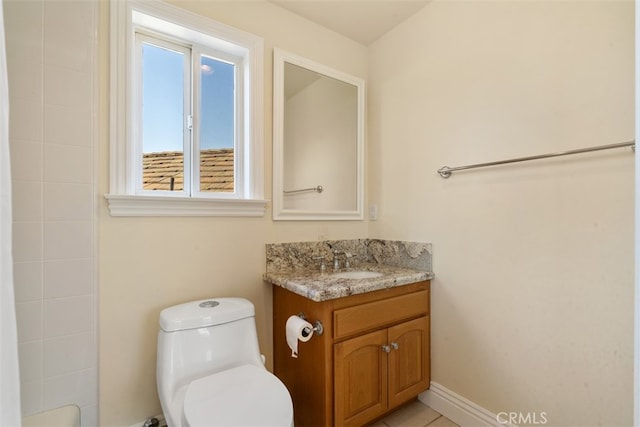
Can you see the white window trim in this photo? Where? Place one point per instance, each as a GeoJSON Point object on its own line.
{"type": "Point", "coordinates": [122, 199]}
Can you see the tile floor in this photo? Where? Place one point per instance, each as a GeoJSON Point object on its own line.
{"type": "Point", "coordinates": [415, 414]}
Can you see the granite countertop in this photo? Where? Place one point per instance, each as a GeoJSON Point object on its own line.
{"type": "Point", "coordinates": [321, 286]}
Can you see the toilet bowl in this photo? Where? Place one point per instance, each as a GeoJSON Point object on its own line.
{"type": "Point", "coordinates": [210, 371]}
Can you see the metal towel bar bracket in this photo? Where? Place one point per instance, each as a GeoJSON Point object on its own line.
{"type": "Point", "coordinates": [446, 171]}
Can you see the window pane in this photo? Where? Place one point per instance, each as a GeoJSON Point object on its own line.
{"type": "Point", "coordinates": [162, 118]}
{"type": "Point", "coordinates": [217, 125]}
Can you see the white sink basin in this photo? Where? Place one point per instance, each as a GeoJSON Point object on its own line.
{"type": "Point", "coordinates": [360, 274]}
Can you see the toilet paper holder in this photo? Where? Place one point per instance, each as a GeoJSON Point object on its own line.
{"type": "Point", "coordinates": [317, 326]}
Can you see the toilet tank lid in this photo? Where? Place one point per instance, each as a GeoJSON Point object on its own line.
{"type": "Point", "coordinates": [203, 313]}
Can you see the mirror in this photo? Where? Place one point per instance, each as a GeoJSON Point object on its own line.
{"type": "Point", "coordinates": [318, 141]}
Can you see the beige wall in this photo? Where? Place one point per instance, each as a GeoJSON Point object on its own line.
{"type": "Point", "coordinates": [147, 264]}
{"type": "Point", "coordinates": [533, 296]}
{"type": "Point", "coordinates": [532, 304]}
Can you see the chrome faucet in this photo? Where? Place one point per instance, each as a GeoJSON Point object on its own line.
{"type": "Point", "coordinates": [336, 259]}
{"type": "Point", "coordinates": [323, 266]}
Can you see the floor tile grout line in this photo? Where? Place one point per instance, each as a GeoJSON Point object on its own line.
{"type": "Point", "coordinates": [434, 420]}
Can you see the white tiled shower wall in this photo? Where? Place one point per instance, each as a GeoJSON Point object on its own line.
{"type": "Point", "coordinates": [51, 51]}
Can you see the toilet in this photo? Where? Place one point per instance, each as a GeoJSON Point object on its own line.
{"type": "Point", "coordinates": [210, 371]}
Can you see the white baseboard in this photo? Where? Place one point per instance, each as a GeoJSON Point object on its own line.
{"type": "Point", "coordinates": [158, 417]}
{"type": "Point", "coordinates": [458, 409]}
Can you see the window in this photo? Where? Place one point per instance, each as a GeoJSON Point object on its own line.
{"type": "Point", "coordinates": [189, 119]}
{"type": "Point", "coordinates": [186, 119]}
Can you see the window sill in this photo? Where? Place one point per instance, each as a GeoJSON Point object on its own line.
{"type": "Point", "coordinates": [130, 205]}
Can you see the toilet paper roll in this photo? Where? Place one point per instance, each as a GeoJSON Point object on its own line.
{"type": "Point", "coordinates": [297, 329]}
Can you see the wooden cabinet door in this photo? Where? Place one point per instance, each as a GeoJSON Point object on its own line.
{"type": "Point", "coordinates": [408, 360]}
{"type": "Point", "coordinates": [360, 379]}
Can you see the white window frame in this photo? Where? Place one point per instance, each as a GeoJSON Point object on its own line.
{"type": "Point", "coordinates": [159, 17]}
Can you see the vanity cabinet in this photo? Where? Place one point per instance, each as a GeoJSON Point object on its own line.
{"type": "Point", "coordinates": [380, 370]}
{"type": "Point", "coordinates": [372, 357]}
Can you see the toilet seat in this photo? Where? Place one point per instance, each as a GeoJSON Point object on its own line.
{"type": "Point", "coordinates": [243, 396]}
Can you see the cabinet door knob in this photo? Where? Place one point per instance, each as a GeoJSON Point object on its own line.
{"type": "Point", "coordinates": [386, 348]}
{"type": "Point", "coordinates": [394, 345]}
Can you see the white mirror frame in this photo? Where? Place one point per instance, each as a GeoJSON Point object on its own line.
{"type": "Point", "coordinates": [281, 57]}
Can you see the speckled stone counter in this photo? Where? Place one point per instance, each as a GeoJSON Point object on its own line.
{"type": "Point", "coordinates": [296, 266]}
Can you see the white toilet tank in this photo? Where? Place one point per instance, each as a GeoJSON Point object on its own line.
{"type": "Point", "coordinates": [204, 337]}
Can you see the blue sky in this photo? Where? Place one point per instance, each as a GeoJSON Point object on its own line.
{"type": "Point", "coordinates": [163, 105]}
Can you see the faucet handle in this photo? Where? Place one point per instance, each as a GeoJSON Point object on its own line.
{"type": "Point", "coordinates": [323, 266]}
{"type": "Point", "coordinates": [347, 257]}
